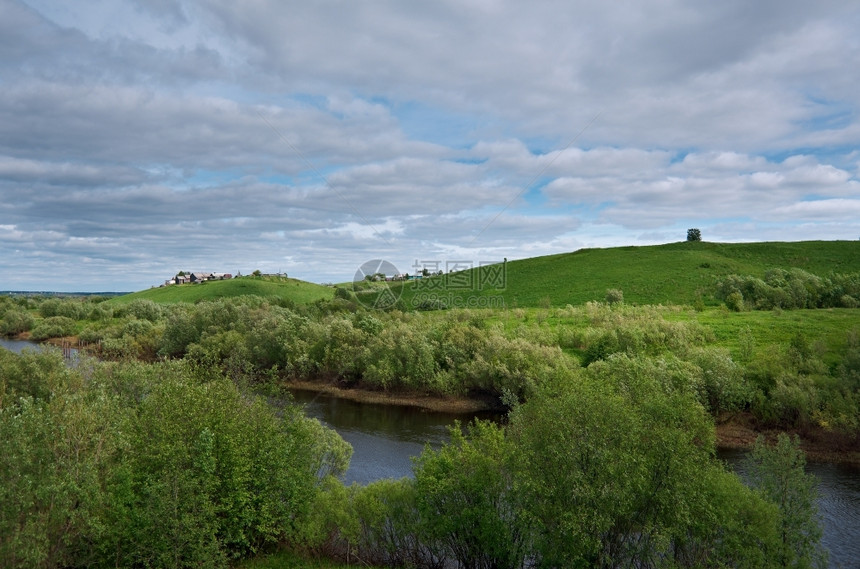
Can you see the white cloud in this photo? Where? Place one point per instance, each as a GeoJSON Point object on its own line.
{"type": "Point", "coordinates": [826, 209]}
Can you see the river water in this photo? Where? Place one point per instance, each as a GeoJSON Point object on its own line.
{"type": "Point", "coordinates": [18, 346]}
{"type": "Point", "coordinates": [385, 438]}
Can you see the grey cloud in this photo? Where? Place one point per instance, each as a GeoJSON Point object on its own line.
{"type": "Point", "coordinates": [166, 132]}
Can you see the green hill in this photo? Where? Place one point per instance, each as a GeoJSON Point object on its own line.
{"type": "Point", "coordinates": [299, 292]}
{"type": "Point", "coordinates": [674, 273]}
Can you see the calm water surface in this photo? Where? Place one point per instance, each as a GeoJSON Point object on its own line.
{"type": "Point", "coordinates": [838, 506]}
{"type": "Point", "coordinates": [18, 346]}
{"type": "Point", "coordinates": [384, 438]}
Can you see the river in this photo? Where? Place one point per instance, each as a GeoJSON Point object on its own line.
{"type": "Point", "coordinates": [384, 439]}
{"type": "Point", "coordinates": [19, 346]}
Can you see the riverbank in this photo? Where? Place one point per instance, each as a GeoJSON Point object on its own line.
{"type": "Point", "coordinates": [736, 431]}
{"type": "Point", "coordinates": [740, 431]}
{"type": "Point", "coordinates": [436, 403]}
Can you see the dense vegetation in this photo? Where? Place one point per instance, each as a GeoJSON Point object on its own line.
{"type": "Point", "coordinates": [600, 468]}
{"type": "Point", "coordinates": [172, 464]}
{"type": "Point", "coordinates": [149, 465]}
{"type": "Point", "coordinates": [790, 370]}
{"type": "Point", "coordinates": [789, 290]}
{"type": "Point", "coordinates": [162, 454]}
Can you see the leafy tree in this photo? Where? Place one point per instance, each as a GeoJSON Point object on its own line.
{"type": "Point", "coordinates": [143, 309]}
{"type": "Point", "coordinates": [694, 235]}
{"type": "Point", "coordinates": [617, 470]}
{"type": "Point", "coordinates": [778, 473]}
{"type": "Point", "coordinates": [159, 465]}
{"type": "Point", "coordinates": [53, 327]}
{"type": "Point", "coordinates": [464, 494]}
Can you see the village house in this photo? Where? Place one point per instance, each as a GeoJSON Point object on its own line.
{"type": "Point", "coordinates": [198, 278]}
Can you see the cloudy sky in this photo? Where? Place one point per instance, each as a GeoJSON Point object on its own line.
{"type": "Point", "coordinates": [140, 138]}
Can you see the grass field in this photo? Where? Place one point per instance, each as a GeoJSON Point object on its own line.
{"type": "Point", "coordinates": [682, 273]}
{"type": "Point", "coordinates": [299, 292]}
{"type": "Point", "coordinates": [827, 330]}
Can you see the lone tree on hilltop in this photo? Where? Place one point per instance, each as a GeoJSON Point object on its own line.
{"type": "Point", "coordinates": [694, 235]}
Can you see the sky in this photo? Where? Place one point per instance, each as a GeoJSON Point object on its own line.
{"type": "Point", "coordinates": [141, 138]}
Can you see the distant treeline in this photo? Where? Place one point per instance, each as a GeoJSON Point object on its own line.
{"type": "Point", "coordinates": [790, 289]}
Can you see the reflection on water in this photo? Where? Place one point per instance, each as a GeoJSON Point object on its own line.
{"type": "Point", "coordinates": [838, 505]}
{"type": "Point", "coordinates": [19, 346]}
{"type": "Point", "coordinates": [384, 438]}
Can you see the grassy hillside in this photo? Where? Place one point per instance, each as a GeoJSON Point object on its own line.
{"type": "Point", "coordinates": [675, 273]}
{"type": "Point", "coordinates": [300, 292]}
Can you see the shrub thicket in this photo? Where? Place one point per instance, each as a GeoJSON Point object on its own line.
{"type": "Point", "coordinates": [570, 482]}
{"type": "Point", "coordinates": [149, 465]}
{"type": "Point", "coordinates": [790, 289]}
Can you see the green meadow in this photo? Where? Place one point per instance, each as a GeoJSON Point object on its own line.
{"type": "Point", "coordinates": [684, 273]}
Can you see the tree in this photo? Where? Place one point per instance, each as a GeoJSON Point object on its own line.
{"type": "Point", "coordinates": [599, 493]}
{"type": "Point", "coordinates": [464, 497]}
{"type": "Point", "coordinates": [778, 474]}
{"type": "Point", "coordinates": [694, 235]}
{"type": "Point", "coordinates": [615, 469]}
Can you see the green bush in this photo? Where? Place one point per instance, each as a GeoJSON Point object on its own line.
{"type": "Point", "coordinates": [142, 309]}
{"type": "Point", "coordinates": [723, 387]}
{"type": "Point", "coordinates": [614, 296]}
{"type": "Point", "coordinates": [91, 334]}
{"type": "Point", "coordinates": [53, 327]}
{"type": "Point", "coordinates": [777, 472]}
{"type": "Point", "coordinates": [158, 465]}
{"type": "Point", "coordinates": [616, 471]}
{"type": "Point", "coordinates": [464, 494]}
{"type": "Point", "coordinates": [15, 321]}
{"type": "Point", "coordinates": [100, 312]}
{"type": "Point", "coordinates": [73, 308]}
{"type": "Point", "coordinates": [179, 332]}
{"type": "Point", "coordinates": [735, 301]}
